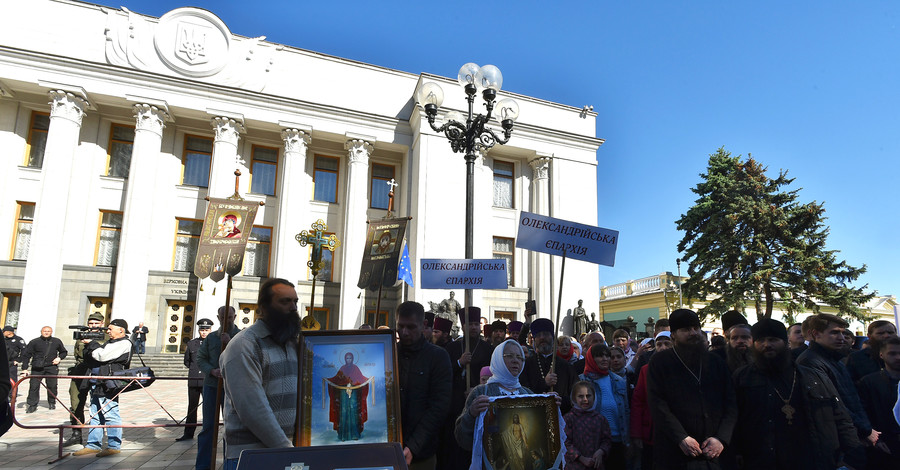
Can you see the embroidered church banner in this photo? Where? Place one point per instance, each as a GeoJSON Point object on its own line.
{"type": "Point", "coordinates": [381, 255]}
{"type": "Point", "coordinates": [226, 228]}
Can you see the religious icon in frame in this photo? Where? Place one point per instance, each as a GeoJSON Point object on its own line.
{"type": "Point", "coordinates": [350, 392]}
{"type": "Point", "coordinates": [521, 432]}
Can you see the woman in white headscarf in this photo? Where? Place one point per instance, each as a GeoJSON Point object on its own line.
{"type": "Point", "coordinates": [507, 363]}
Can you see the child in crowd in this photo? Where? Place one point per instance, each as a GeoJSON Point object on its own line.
{"type": "Point", "coordinates": [588, 437]}
{"type": "Point", "coordinates": [485, 374]}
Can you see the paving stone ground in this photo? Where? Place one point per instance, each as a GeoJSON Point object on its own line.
{"type": "Point", "coordinates": [144, 448]}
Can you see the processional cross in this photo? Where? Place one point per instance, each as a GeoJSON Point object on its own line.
{"type": "Point", "coordinates": [318, 241]}
{"type": "Point", "coordinates": [391, 184]}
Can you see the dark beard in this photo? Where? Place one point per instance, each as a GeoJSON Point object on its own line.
{"type": "Point", "coordinates": [736, 358]}
{"type": "Point", "coordinates": [283, 326]}
{"type": "Point", "coordinates": [775, 366]}
{"type": "Point", "coordinates": [692, 353]}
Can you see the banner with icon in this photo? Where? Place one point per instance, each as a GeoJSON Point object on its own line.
{"type": "Point", "coordinates": [226, 229]}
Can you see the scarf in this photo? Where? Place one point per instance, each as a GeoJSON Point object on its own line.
{"type": "Point", "coordinates": [502, 375]}
{"type": "Point", "coordinates": [568, 354]}
{"type": "Point", "coordinates": [590, 365]}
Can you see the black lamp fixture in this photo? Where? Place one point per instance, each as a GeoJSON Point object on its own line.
{"type": "Point", "coordinates": [468, 133]}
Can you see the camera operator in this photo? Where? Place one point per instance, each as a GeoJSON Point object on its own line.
{"type": "Point", "coordinates": [77, 392]}
{"type": "Point", "coordinates": [44, 352]}
{"type": "Point", "coordinates": [112, 356]}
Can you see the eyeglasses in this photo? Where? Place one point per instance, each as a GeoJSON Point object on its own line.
{"type": "Point", "coordinates": [514, 356]}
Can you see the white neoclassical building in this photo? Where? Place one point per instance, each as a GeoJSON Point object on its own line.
{"type": "Point", "coordinates": [113, 134]}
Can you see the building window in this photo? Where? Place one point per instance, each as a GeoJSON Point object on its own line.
{"type": "Point", "coordinates": [503, 249]}
{"type": "Point", "coordinates": [9, 315]}
{"type": "Point", "coordinates": [263, 170]}
{"type": "Point", "coordinates": [256, 259]}
{"type": "Point", "coordinates": [196, 160]}
{"type": "Point", "coordinates": [121, 143]}
{"type": "Point", "coordinates": [376, 320]}
{"type": "Point", "coordinates": [322, 315]}
{"type": "Point", "coordinates": [108, 238]}
{"type": "Point", "coordinates": [187, 240]}
{"type": "Point", "coordinates": [37, 139]}
{"type": "Point", "coordinates": [378, 191]}
{"type": "Point", "coordinates": [503, 184]}
{"type": "Point", "coordinates": [327, 261]}
{"type": "Point", "coordinates": [22, 238]}
{"type": "Point", "coordinates": [325, 179]}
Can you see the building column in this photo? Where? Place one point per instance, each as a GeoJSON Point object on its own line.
{"type": "Point", "coordinates": [293, 199]}
{"type": "Point", "coordinates": [43, 270]}
{"type": "Point", "coordinates": [133, 264]}
{"type": "Point", "coordinates": [539, 274]}
{"type": "Point", "coordinates": [221, 184]}
{"type": "Point", "coordinates": [353, 238]}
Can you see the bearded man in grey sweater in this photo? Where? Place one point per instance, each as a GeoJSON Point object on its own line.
{"type": "Point", "coordinates": [259, 367]}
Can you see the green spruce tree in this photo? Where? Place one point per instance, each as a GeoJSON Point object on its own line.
{"type": "Point", "coordinates": [748, 241]}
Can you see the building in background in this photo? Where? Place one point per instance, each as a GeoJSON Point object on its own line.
{"type": "Point", "coordinates": [115, 127]}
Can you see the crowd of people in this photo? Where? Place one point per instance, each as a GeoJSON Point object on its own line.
{"type": "Point", "coordinates": [760, 396]}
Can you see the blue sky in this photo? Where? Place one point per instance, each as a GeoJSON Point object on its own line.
{"type": "Point", "coordinates": [811, 87]}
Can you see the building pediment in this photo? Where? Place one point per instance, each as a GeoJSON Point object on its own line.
{"type": "Point", "coordinates": [189, 42]}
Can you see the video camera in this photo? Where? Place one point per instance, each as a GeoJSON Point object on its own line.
{"type": "Point", "coordinates": [86, 332]}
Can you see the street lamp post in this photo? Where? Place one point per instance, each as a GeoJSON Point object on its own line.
{"type": "Point", "coordinates": [680, 301]}
{"type": "Point", "coordinates": [468, 133]}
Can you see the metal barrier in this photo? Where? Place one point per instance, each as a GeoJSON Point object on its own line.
{"type": "Point", "coordinates": [61, 427]}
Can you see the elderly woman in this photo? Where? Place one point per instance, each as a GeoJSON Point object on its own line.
{"type": "Point", "coordinates": [507, 363]}
{"type": "Point", "coordinates": [611, 392]}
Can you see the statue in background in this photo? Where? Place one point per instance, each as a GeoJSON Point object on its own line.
{"type": "Point", "coordinates": [580, 320]}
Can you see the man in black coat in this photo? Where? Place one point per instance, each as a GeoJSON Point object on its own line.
{"type": "Point", "coordinates": [14, 347]}
{"type": "Point", "coordinates": [878, 393]}
{"type": "Point", "coordinates": [479, 356]}
{"type": "Point", "coordinates": [789, 416]}
{"type": "Point", "coordinates": [691, 399]}
{"type": "Point", "coordinates": [537, 375]}
{"type": "Point", "coordinates": [44, 352]}
{"type": "Point", "coordinates": [195, 377]}
{"type": "Point", "coordinates": [868, 361]}
{"type": "Point", "coordinates": [824, 354]}
{"type": "Point", "coordinates": [424, 388]}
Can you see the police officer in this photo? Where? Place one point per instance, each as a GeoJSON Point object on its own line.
{"type": "Point", "coordinates": [77, 393]}
{"type": "Point", "coordinates": [195, 377]}
{"type": "Point", "coordinates": [14, 347]}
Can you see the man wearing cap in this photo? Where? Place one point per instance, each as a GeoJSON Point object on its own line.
{"type": "Point", "coordinates": [45, 353]}
{"type": "Point", "coordinates": [498, 332]}
{"type": "Point", "coordinates": [440, 334]}
{"type": "Point", "coordinates": [208, 362]}
{"type": "Point", "coordinates": [78, 390]}
{"type": "Point", "coordinates": [538, 376]}
{"type": "Point", "coordinates": [479, 355]}
{"type": "Point", "coordinates": [789, 416]}
{"type": "Point", "coordinates": [14, 347]}
{"type": "Point", "coordinates": [104, 359]}
{"type": "Point", "coordinates": [195, 377]}
{"type": "Point", "coordinates": [824, 354]}
{"type": "Point", "coordinates": [691, 399]}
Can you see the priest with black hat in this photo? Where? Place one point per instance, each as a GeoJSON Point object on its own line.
{"type": "Point", "coordinates": [789, 416]}
{"type": "Point", "coordinates": [440, 333]}
{"type": "Point", "coordinates": [691, 399]}
{"type": "Point", "coordinates": [539, 374]}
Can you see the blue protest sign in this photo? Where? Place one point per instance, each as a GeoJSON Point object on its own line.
{"type": "Point", "coordinates": [463, 274]}
{"type": "Point", "coordinates": [580, 241]}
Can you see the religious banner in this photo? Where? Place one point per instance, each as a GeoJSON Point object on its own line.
{"type": "Point", "coordinates": [381, 254]}
{"type": "Point", "coordinates": [223, 239]}
{"type": "Point", "coordinates": [464, 274]}
{"type": "Point", "coordinates": [579, 241]}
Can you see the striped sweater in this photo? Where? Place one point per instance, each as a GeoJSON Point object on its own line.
{"type": "Point", "coordinates": [260, 391]}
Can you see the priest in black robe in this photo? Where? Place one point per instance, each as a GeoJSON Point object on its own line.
{"type": "Point", "coordinates": [538, 376]}
{"type": "Point", "coordinates": [691, 398]}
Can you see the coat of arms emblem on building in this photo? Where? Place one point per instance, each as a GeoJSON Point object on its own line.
{"type": "Point", "coordinates": [190, 43]}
